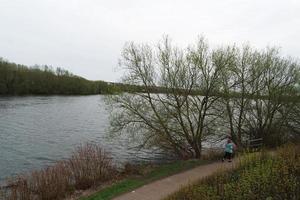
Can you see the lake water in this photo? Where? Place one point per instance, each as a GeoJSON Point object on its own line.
{"type": "Point", "coordinates": [37, 131]}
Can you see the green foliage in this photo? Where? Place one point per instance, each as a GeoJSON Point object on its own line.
{"type": "Point", "coordinates": [44, 80]}
{"type": "Point", "coordinates": [257, 177]}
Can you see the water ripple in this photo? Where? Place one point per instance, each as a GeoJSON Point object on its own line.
{"type": "Point", "coordinates": [37, 131]}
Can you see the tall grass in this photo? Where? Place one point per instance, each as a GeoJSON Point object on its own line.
{"type": "Point", "coordinates": [89, 165]}
{"type": "Point", "coordinates": [258, 176]}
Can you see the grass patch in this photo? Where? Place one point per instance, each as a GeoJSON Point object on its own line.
{"type": "Point", "coordinates": [155, 173]}
{"type": "Point", "coordinates": [258, 176]}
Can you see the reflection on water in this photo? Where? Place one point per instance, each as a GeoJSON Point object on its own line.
{"type": "Point", "coordinates": [37, 131]}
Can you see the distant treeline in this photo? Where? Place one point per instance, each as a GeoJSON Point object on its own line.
{"type": "Point", "coordinates": [16, 79]}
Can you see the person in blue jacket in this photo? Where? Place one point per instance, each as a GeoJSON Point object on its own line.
{"type": "Point", "coordinates": [229, 148]}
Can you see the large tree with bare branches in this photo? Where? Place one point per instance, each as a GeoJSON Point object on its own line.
{"type": "Point", "coordinates": [200, 90]}
{"type": "Point", "coordinates": [180, 119]}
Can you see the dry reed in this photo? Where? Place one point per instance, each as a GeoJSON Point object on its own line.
{"type": "Point", "coordinates": [88, 166]}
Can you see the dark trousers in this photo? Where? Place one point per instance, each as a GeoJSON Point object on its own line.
{"type": "Point", "coordinates": [227, 155]}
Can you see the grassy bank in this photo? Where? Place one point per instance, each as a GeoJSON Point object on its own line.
{"type": "Point", "coordinates": [258, 176]}
{"type": "Point", "coordinates": [145, 175]}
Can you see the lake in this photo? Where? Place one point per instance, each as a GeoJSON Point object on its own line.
{"type": "Point", "coordinates": [36, 131]}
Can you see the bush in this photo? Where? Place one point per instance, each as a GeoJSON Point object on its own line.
{"type": "Point", "coordinates": [88, 166]}
{"type": "Point", "coordinates": [53, 182]}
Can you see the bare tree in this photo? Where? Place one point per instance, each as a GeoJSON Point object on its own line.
{"type": "Point", "coordinates": [257, 88]}
{"type": "Point", "coordinates": [273, 101]}
{"type": "Point", "coordinates": [238, 76]}
{"type": "Point", "coordinates": [181, 119]}
{"type": "Point", "coordinates": [187, 92]}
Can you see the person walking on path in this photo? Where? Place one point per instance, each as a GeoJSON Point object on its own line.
{"type": "Point", "coordinates": [229, 148]}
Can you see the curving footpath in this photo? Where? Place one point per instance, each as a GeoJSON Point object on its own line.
{"type": "Point", "coordinates": [162, 188]}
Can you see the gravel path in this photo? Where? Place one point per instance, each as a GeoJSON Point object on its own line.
{"type": "Point", "coordinates": [162, 188]}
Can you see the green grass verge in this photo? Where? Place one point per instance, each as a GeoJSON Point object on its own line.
{"type": "Point", "coordinates": [156, 173]}
{"type": "Point", "coordinates": [261, 175]}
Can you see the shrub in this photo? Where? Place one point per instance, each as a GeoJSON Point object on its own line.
{"type": "Point", "coordinates": [88, 166]}
{"type": "Point", "coordinates": [212, 154]}
{"type": "Point", "coordinates": [53, 182]}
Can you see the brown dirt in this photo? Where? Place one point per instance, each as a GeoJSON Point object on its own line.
{"type": "Point", "coordinates": [162, 188]}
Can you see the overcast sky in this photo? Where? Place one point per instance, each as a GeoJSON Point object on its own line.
{"type": "Point", "coordinates": [87, 36]}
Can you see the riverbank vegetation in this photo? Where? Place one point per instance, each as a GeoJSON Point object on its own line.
{"type": "Point", "coordinates": [90, 174]}
{"type": "Point", "coordinates": [257, 176]}
{"type": "Point", "coordinates": [208, 94]}
{"type": "Point", "coordinates": [88, 166]}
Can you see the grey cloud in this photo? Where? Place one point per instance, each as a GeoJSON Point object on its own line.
{"type": "Point", "coordinates": [86, 36]}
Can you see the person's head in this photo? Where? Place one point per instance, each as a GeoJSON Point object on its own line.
{"type": "Point", "coordinates": [229, 140]}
